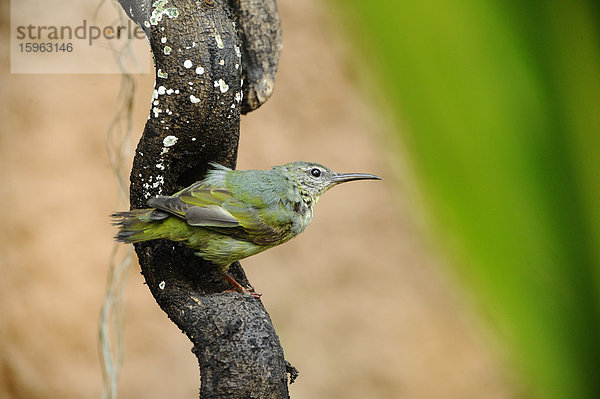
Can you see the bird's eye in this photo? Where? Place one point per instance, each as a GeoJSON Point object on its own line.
{"type": "Point", "coordinates": [315, 172]}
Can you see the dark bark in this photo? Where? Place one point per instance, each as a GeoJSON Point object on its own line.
{"type": "Point", "coordinates": [260, 31]}
{"type": "Point", "coordinates": [194, 120]}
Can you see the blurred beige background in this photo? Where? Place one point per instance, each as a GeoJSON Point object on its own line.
{"type": "Point", "coordinates": [394, 326]}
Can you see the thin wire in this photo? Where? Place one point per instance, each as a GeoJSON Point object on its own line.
{"type": "Point", "coordinates": [118, 147]}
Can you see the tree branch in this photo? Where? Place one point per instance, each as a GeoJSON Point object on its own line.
{"type": "Point", "coordinates": [194, 120]}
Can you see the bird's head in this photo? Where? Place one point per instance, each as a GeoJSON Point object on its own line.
{"type": "Point", "coordinates": [314, 179]}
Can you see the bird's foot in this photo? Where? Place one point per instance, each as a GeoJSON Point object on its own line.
{"type": "Point", "coordinates": [244, 290]}
{"type": "Point", "coordinates": [240, 288]}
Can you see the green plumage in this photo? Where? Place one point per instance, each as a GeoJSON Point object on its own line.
{"type": "Point", "coordinates": [233, 214]}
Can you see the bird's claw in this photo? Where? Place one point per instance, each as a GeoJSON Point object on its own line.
{"type": "Point", "coordinates": [244, 290]}
{"type": "Point", "coordinates": [240, 288]}
{"type": "Point", "coordinates": [250, 290]}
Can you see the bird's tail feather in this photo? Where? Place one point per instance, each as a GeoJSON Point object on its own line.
{"type": "Point", "coordinates": [138, 225]}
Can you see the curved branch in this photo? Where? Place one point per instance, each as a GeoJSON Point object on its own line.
{"type": "Point", "coordinates": [260, 31]}
{"type": "Point", "coordinates": [194, 120]}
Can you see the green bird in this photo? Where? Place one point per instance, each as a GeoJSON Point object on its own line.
{"type": "Point", "coordinates": [234, 214]}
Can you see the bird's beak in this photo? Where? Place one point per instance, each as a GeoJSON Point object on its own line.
{"type": "Point", "coordinates": [344, 177]}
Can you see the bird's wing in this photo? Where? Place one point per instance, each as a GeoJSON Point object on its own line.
{"type": "Point", "coordinates": [217, 209]}
{"type": "Point", "coordinates": [199, 206]}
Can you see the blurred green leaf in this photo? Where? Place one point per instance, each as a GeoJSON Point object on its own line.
{"type": "Point", "coordinates": [502, 103]}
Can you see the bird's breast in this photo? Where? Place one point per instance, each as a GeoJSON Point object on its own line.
{"type": "Point", "coordinates": [303, 214]}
